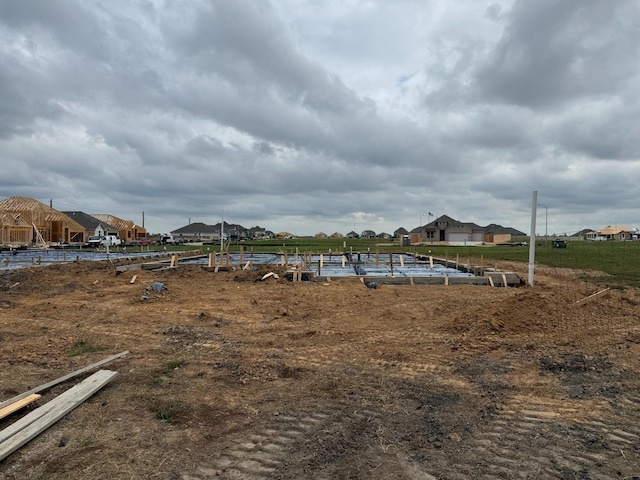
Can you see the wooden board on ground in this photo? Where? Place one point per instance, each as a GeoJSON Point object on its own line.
{"type": "Point", "coordinates": [31, 425]}
{"type": "Point", "coordinates": [46, 386]}
{"type": "Point", "coordinates": [18, 404]}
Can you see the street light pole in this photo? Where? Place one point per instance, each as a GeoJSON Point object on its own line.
{"type": "Point", "coordinates": [545, 219]}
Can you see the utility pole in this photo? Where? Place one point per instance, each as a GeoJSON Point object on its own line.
{"type": "Point", "coordinates": [221, 236]}
{"type": "Point", "coordinates": [532, 237]}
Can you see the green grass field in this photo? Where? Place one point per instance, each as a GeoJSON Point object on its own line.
{"type": "Point", "coordinates": [619, 262]}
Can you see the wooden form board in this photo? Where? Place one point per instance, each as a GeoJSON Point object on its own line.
{"type": "Point", "coordinates": [52, 383]}
{"type": "Point", "coordinates": [34, 423]}
{"type": "Point", "coordinates": [18, 404]}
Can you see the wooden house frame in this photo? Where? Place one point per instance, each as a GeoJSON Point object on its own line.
{"type": "Point", "coordinates": [14, 230]}
{"type": "Point", "coordinates": [47, 224]}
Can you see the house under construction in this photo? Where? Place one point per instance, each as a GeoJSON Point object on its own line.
{"type": "Point", "coordinates": [127, 229]}
{"type": "Point", "coordinates": [25, 221]}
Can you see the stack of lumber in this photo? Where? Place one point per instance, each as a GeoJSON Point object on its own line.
{"type": "Point", "coordinates": [38, 420]}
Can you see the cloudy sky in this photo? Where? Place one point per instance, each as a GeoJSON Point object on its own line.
{"type": "Point", "coordinates": [324, 115]}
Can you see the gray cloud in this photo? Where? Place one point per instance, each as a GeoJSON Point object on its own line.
{"type": "Point", "coordinates": [303, 117]}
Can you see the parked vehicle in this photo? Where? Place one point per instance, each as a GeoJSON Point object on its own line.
{"type": "Point", "coordinates": [170, 240]}
{"type": "Point", "coordinates": [104, 241]}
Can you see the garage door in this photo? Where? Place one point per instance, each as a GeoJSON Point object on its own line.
{"type": "Point", "coordinates": [458, 237]}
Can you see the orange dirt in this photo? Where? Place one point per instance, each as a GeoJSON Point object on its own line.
{"type": "Point", "coordinates": [234, 378]}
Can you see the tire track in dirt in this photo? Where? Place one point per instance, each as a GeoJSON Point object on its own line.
{"type": "Point", "coordinates": [258, 456]}
{"type": "Point", "coordinates": [545, 439]}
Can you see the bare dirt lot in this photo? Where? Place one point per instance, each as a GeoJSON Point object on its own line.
{"type": "Point", "coordinates": [233, 378]}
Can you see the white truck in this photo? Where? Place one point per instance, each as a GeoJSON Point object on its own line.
{"type": "Point", "coordinates": [168, 239]}
{"type": "Point", "coordinates": [104, 241]}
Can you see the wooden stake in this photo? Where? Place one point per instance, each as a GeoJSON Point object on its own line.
{"type": "Point", "coordinates": [133, 279]}
{"type": "Point", "coordinates": [402, 260]}
{"type": "Point", "coordinates": [174, 260]}
{"type": "Point", "coordinates": [491, 281]}
{"type": "Point", "coordinates": [504, 280]}
{"type": "Point", "coordinates": [599, 294]}
{"type": "Point", "coordinates": [211, 259]}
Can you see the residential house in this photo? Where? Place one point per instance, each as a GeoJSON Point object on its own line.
{"type": "Point", "coordinates": [127, 229]}
{"type": "Point", "coordinates": [447, 229]}
{"type": "Point", "coordinates": [259, 233]}
{"type": "Point", "coordinates": [401, 232]}
{"type": "Point", "coordinates": [352, 234]}
{"type": "Point", "coordinates": [197, 232]}
{"type": "Point", "coordinates": [230, 231]}
{"type": "Point", "coordinates": [384, 236]}
{"type": "Point", "coordinates": [368, 234]}
{"type": "Point", "coordinates": [615, 232]}
{"type": "Point", "coordinates": [320, 235]}
{"type": "Point", "coordinates": [92, 225]}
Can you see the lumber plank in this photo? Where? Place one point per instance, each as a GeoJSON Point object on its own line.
{"type": "Point", "coordinates": [133, 279]}
{"type": "Point", "coordinates": [599, 294]}
{"type": "Point", "coordinates": [30, 426]}
{"type": "Point", "coordinates": [46, 386]}
{"type": "Point", "coordinates": [18, 404]}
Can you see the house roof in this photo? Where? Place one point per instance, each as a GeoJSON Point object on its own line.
{"type": "Point", "coordinates": [89, 222]}
{"type": "Point", "coordinates": [197, 227]}
{"type": "Point", "coordinates": [500, 230]}
{"type": "Point", "coordinates": [583, 232]}
{"type": "Point", "coordinates": [613, 230]}
{"type": "Point", "coordinates": [119, 223]}
{"type": "Point", "coordinates": [38, 210]}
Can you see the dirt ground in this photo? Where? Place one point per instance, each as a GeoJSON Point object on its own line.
{"type": "Point", "coordinates": [233, 378]}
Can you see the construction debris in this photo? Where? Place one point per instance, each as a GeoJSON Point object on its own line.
{"type": "Point", "coordinates": [269, 275]}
